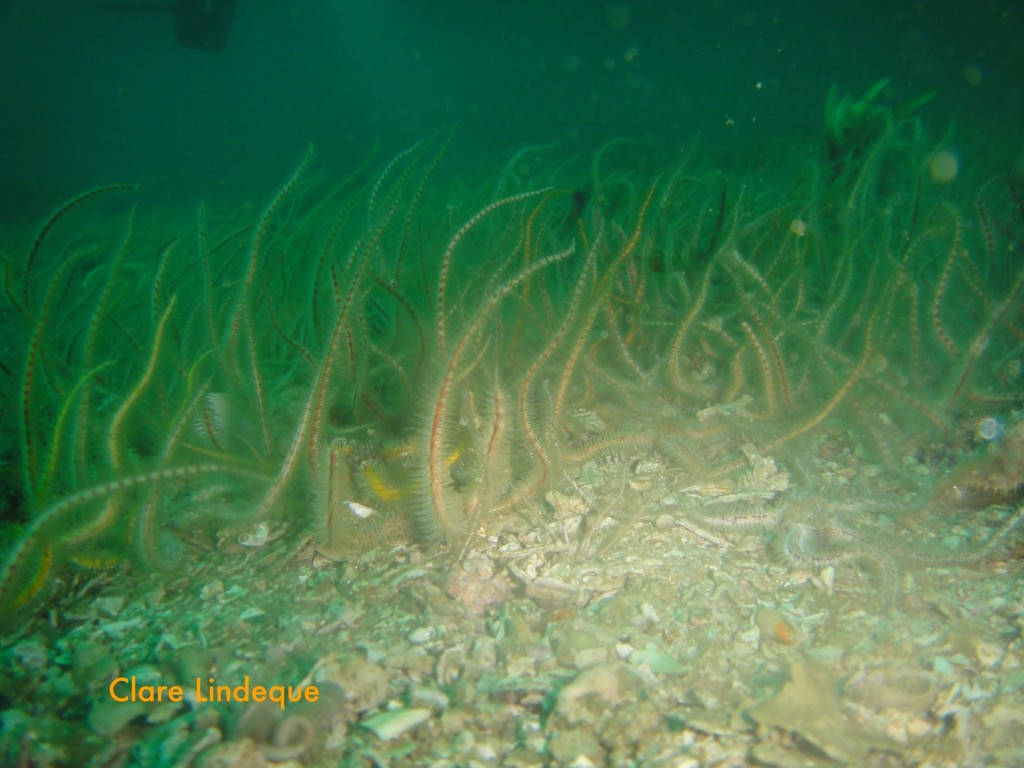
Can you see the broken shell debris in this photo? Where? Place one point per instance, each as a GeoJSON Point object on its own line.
{"type": "Point", "coordinates": [690, 640]}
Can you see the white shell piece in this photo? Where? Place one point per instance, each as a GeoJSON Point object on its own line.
{"type": "Point", "coordinates": [257, 537]}
{"type": "Point", "coordinates": [359, 510]}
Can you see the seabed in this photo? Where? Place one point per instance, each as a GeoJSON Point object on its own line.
{"type": "Point", "coordinates": [608, 464]}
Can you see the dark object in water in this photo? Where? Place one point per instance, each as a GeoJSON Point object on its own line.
{"type": "Point", "coordinates": [200, 25]}
{"type": "Point", "coordinates": [579, 202]}
{"type": "Point", "coordinates": [203, 25]}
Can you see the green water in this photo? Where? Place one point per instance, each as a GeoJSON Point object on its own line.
{"type": "Point", "coordinates": [570, 384]}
